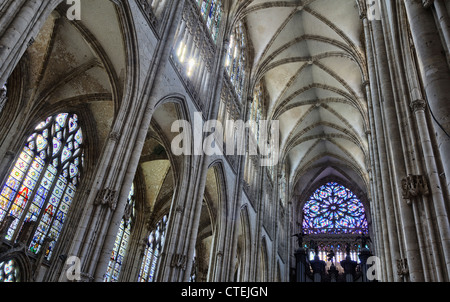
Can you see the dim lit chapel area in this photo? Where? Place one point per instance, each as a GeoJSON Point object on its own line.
{"type": "Point", "coordinates": [341, 173]}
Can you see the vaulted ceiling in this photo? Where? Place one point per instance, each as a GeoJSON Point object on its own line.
{"type": "Point", "coordinates": [310, 56]}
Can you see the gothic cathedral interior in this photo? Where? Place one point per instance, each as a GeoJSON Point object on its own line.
{"type": "Point", "coordinates": [225, 141]}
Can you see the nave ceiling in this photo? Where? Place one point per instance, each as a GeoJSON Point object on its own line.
{"type": "Point", "coordinates": [310, 57]}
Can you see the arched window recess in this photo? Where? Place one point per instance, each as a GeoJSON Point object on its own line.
{"type": "Point", "coordinates": [194, 47]}
{"type": "Point", "coordinates": [235, 63]}
{"type": "Point", "coordinates": [211, 11]}
{"type": "Point", "coordinates": [154, 10]}
{"type": "Point", "coordinates": [152, 251]}
{"type": "Point", "coordinates": [122, 239]}
{"type": "Point", "coordinates": [36, 195]}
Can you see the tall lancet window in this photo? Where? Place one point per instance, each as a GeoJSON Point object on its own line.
{"type": "Point", "coordinates": [235, 63]}
{"type": "Point", "coordinates": [122, 240]}
{"type": "Point", "coordinates": [256, 112]}
{"type": "Point", "coordinates": [153, 250]}
{"type": "Point", "coordinates": [9, 272]}
{"type": "Point", "coordinates": [211, 10]}
{"type": "Point", "coordinates": [42, 182]}
{"type": "Point", "coordinates": [157, 6]}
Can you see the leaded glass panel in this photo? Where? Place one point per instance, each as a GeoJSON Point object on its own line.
{"type": "Point", "coordinates": [334, 209]}
{"type": "Point", "coordinates": [43, 180]}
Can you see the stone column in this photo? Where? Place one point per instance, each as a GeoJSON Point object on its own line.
{"type": "Point", "coordinates": [230, 230]}
{"type": "Point", "coordinates": [396, 152]}
{"type": "Point", "coordinates": [20, 23]}
{"type": "Point", "coordinates": [443, 20]}
{"type": "Point", "coordinates": [435, 74]}
{"type": "Point", "coordinates": [5, 163]}
{"type": "Point", "coordinates": [183, 235]}
{"type": "Point", "coordinates": [385, 197]}
{"type": "Point", "coordinates": [138, 124]}
{"type": "Point", "coordinates": [441, 216]}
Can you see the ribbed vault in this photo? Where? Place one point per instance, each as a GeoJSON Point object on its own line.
{"type": "Point", "coordinates": [310, 57]}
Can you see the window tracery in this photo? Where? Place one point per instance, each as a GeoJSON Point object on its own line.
{"type": "Point", "coordinates": [154, 246]}
{"type": "Point", "coordinates": [122, 240]}
{"type": "Point", "coordinates": [236, 58]}
{"type": "Point", "coordinates": [42, 183]}
{"type": "Point", "coordinates": [211, 10]}
{"type": "Point", "coordinates": [9, 272]}
{"type": "Point", "coordinates": [334, 209]}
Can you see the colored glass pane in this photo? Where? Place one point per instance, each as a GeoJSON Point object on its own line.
{"type": "Point", "coordinates": [334, 209]}
{"type": "Point", "coordinates": [152, 251]}
{"type": "Point", "coordinates": [9, 272]}
{"type": "Point", "coordinates": [235, 63]}
{"type": "Point", "coordinates": [211, 11]}
{"type": "Point", "coordinates": [37, 189]}
{"type": "Point", "coordinates": [121, 242]}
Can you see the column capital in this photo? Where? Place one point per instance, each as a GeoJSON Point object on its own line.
{"type": "Point", "coordinates": [226, 42]}
{"type": "Point", "coordinates": [114, 136]}
{"type": "Point", "coordinates": [10, 153]}
{"type": "Point", "coordinates": [365, 84]}
{"type": "Point", "coordinates": [418, 105]}
{"type": "Point", "coordinates": [362, 9]}
{"type": "Point", "coordinates": [427, 3]}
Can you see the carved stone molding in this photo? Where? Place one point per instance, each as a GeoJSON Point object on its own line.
{"type": "Point", "coordinates": [402, 267]}
{"type": "Point", "coordinates": [114, 136]}
{"type": "Point", "coordinates": [418, 105]}
{"type": "Point", "coordinates": [427, 3]}
{"type": "Point", "coordinates": [179, 209]}
{"type": "Point", "coordinates": [147, 8]}
{"type": "Point", "coordinates": [415, 186]}
{"type": "Point", "coordinates": [85, 277]}
{"type": "Point", "coordinates": [16, 249]}
{"type": "Point", "coordinates": [362, 9]}
{"type": "Point", "coordinates": [107, 197]}
{"type": "Point", "coordinates": [179, 261]}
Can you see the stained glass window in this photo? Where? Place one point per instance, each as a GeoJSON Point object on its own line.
{"type": "Point", "coordinates": [122, 240]}
{"type": "Point", "coordinates": [211, 10]}
{"type": "Point", "coordinates": [235, 63]}
{"type": "Point", "coordinates": [3, 96]}
{"type": "Point", "coordinates": [334, 209]}
{"type": "Point", "coordinates": [153, 249]}
{"type": "Point", "coordinates": [256, 112]}
{"type": "Point", "coordinates": [9, 272]}
{"type": "Point", "coordinates": [193, 277]}
{"type": "Point", "coordinates": [42, 183]}
{"type": "Point", "coordinates": [157, 6]}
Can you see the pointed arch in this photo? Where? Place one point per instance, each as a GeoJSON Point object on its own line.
{"type": "Point", "coordinates": [41, 185]}
{"type": "Point", "coordinates": [244, 245]}
{"type": "Point", "coordinates": [264, 261]}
